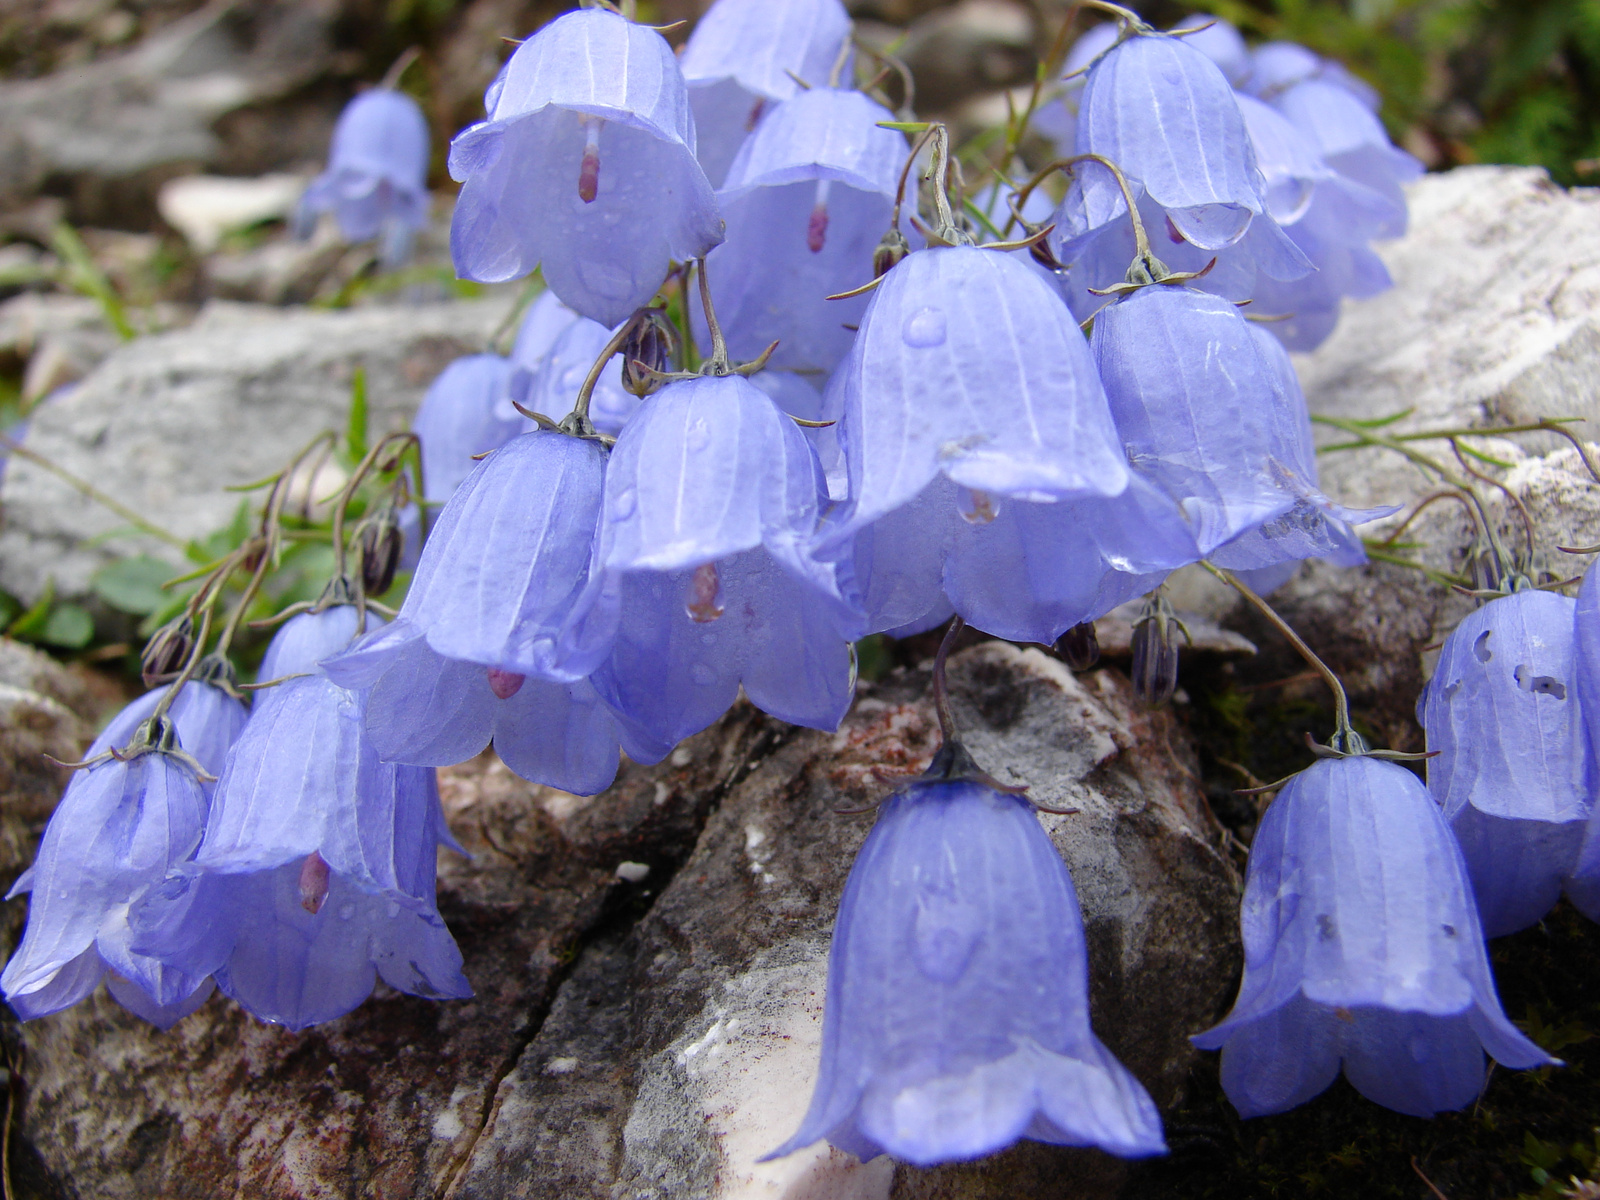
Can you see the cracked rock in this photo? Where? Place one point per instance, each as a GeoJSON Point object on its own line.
{"type": "Point", "coordinates": [678, 1053]}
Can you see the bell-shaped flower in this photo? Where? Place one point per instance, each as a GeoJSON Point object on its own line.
{"type": "Point", "coordinates": [122, 824]}
{"type": "Point", "coordinates": [1583, 887]}
{"type": "Point", "coordinates": [745, 55]}
{"type": "Point", "coordinates": [1221, 43]}
{"type": "Point", "coordinates": [307, 818]}
{"type": "Point", "coordinates": [957, 1011]}
{"type": "Point", "coordinates": [1352, 141]}
{"type": "Point", "coordinates": [1362, 948]}
{"type": "Point", "coordinates": [1275, 67]}
{"type": "Point", "coordinates": [585, 168]}
{"type": "Point", "coordinates": [1512, 772]}
{"type": "Point", "coordinates": [376, 183]}
{"type": "Point", "coordinates": [1163, 113]}
{"type": "Point", "coordinates": [1199, 407]}
{"type": "Point", "coordinates": [806, 201]}
{"type": "Point", "coordinates": [465, 412]}
{"type": "Point", "coordinates": [496, 634]}
{"type": "Point", "coordinates": [1315, 527]}
{"type": "Point", "coordinates": [1057, 118]}
{"type": "Point", "coordinates": [710, 494]}
{"type": "Point", "coordinates": [546, 319]}
{"type": "Point", "coordinates": [554, 388]}
{"type": "Point", "coordinates": [970, 399]}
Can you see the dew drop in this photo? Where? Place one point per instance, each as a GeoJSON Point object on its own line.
{"type": "Point", "coordinates": [573, 379]}
{"type": "Point", "coordinates": [1417, 1046]}
{"type": "Point", "coordinates": [924, 328]}
{"type": "Point", "coordinates": [702, 674]}
{"type": "Point", "coordinates": [346, 911]}
{"type": "Point", "coordinates": [698, 436]}
{"type": "Point", "coordinates": [623, 504]}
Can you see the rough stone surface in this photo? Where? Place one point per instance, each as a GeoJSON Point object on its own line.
{"type": "Point", "coordinates": [388, 1101]}
{"type": "Point", "coordinates": [108, 133]}
{"type": "Point", "coordinates": [652, 1038]}
{"type": "Point", "coordinates": [677, 1054]}
{"type": "Point", "coordinates": [169, 421]}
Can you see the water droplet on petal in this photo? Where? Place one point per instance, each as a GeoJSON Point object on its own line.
{"type": "Point", "coordinates": [1417, 1046]}
{"type": "Point", "coordinates": [393, 910]}
{"type": "Point", "coordinates": [924, 328]}
{"type": "Point", "coordinates": [702, 674]}
{"type": "Point", "coordinates": [698, 436]}
{"type": "Point", "coordinates": [623, 503]}
{"type": "Point", "coordinates": [346, 911]}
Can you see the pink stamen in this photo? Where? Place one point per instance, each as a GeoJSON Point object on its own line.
{"type": "Point", "coordinates": [817, 229]}
{"type": "Point", "coordinates": [313, 883]}
{"type": "Point", "coordinates": [704, 588]}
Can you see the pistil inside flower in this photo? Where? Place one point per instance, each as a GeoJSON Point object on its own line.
{"type": "Point", "coordinates": [589, 170]}
{"type": "Point", "coordinates": [505, 684]}
{"type": "Point", "coordinates": [756, 109]}
{"type": "Point", "coordinates": [313, 883]}
{"type": "Point", "coordinates": [817, 226]}
{"type": "Point", "coordinates": [704, 602]}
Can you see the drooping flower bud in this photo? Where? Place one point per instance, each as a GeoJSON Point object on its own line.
{"type": "Point", "coordinates": [166, 651]}
{"type": "Point", "coordinates": [1155, 652]}
{"type": "Point", "coordinates": [1079, 647]}
{"type": "Point", "coordinates": [380, 542]}
{"type": "Point", "coordinates": [891, 248]}
{"type": "Point", "coordinates": [648, 348]}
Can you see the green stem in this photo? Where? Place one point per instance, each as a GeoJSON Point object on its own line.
{"type": "Point", "coordinates": [88, 490]}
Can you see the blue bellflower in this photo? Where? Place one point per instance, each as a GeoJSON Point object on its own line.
{"type": "Point", "coordinates": [1221, 43]}
{"type": "Point", "coordinates": [546, 319]}
{"type": "Point", "coordinates": [554, 387]}
{"type": "Point", "coordinates": [710, 494]}
{"type": "Point", "coordinates": [743, 57]}
{"type": "Point", "coordinates": [316, 871]}
{"type": "Point", "coordinates": [465, 412]}
{"type": "Point", "coordinates": [1162, 111]}
{"type": "Point", "coordinates": [118, 830]}
{"type": "Point", "coordinates": [957, 1014]}
{"type": "Point", "coordinates": [1362, 949]}
{"type": "Point", "coordinates": [1583, 887]}
{"type": "Point", "coordinates": [984, 472]}
{"type": "Point", "coordinates": [1512, 773]}
{"type": "Point", "coordinates": [495, 637]}
{"type": "Point", "coordinates": [805, 201]}
{"type": "Point", "coordinates": [376, 183]}
{"type": "Point", "coordinates": [585, 168]}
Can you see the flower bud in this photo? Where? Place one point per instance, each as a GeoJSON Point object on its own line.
{"type": "Point", "coordinates": [890, 250]}
{"type": "Point", "coordinates": [167, 651]}
{"type": "Point", "coordinates": [648, 347]}
{"type": "Point", "coordinates": [1155, 653]}
{"type": "Point", "coordinates": [1079, 647]}
{"type": "Point", "coordinates": [380, 543]}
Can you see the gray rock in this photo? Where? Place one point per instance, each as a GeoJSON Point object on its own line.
{"type": "Point", "coordinates": [110, 132]}
{"type": "Point", "coordinates": [168, 421]}
{"type": "Point", "coordinates": [677, 1055]}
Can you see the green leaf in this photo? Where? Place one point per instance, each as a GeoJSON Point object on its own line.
{"type": "Point", "coordinates": [133, 585]}
{"type": "Point", "coordinates": [356, 429]}
{"type": "Point", "coordinates": [29, 625]}
{"type": "Point", "coordinates": [68, 626]}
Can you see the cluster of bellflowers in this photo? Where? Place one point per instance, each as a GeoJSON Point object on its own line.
{"type": "Point", "coordinates": [781, 394]}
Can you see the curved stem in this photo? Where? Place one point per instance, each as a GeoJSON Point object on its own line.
{"type": "Point", "coordinates": [89, 491]}
{"type": "Point", "coordinates": [1141, 241]}
{"type": "Point", "coordinates": [1516, 501]}
{"type": "Point", "coordinates": [391, 77]}
{"type": "Point", "coordinates": [190, 666]}
{"type": "Point", "coordinates": [905, 174]}
{"type": "Point", "coordinates": [718, 361]}
{"type": "Point", "coordinates": [347, 493]}
{"type": "Point", "coordinates": [1341, 701]}
{"type": "Point", "coordinates": [840, 60]}
{"type": "Point", "coordinates": [1425, 502]}
{"type": "Point", "coordinates": [941, 690]}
